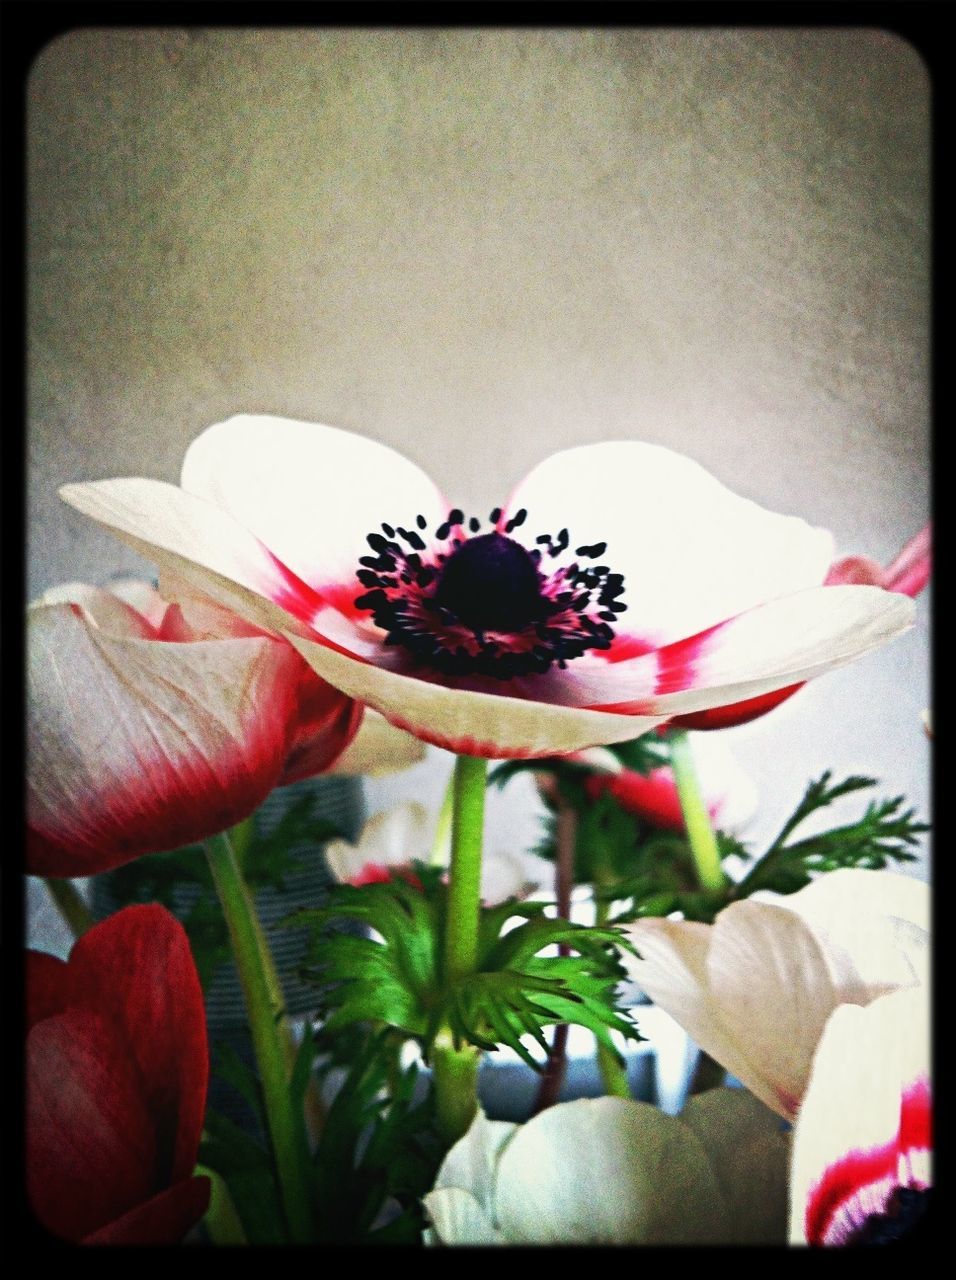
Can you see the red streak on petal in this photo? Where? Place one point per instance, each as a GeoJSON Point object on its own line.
{"type": "Point", "coordinates": [624, 647]}
{"type": "Point", "coordinates": [736, 712]}
{"type": "Point", "coordinates": [294, 595]}
{"type": "Point", "coordinates": [843, 1180]}
{"type": "Point", "coordinates": [916, 1118]}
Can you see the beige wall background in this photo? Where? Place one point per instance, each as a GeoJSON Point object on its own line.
{"type": "Point", "coordinates": [481, 246]}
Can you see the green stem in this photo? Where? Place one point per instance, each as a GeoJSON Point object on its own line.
{"type": "Point", "coordinates": [455, 1074]}
{"type": "Point", "coordinates": [613, 1070]}
{"type": "Point", "coordinates": [464, 889]}
{"type": "Point", "coordinates": [71, 905]}
{"type": "Point", "coordinates": [700, 832]}
{"type": "Point", "coordinates": [221, 1220]}
{"type": "Point", "coordinates": [256, 974]}
{"type": "Point", "coordinates": [455, 1070]}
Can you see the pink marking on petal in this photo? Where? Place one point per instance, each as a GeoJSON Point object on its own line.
{"type": "Point", "coordinates": [342, 596]}
{"type": "Point", "coordinates": [910, 571]}
{"type": "Point", "coordinates": [845, 1194]}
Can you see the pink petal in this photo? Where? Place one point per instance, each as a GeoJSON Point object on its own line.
{"type": "Point", "coordinates": [469, 722]}
{"type": "Point", "coordinates": [136, 746]}
{"type": "Point", "coordinates": [311, 493]}
{"type": "Point", "coordinates": [722, 554]}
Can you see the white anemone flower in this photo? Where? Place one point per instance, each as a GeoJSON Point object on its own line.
{"type": "Point", "coordinates": [616, 1171]}
{"type": "Point", "coordinates": [562, 620]}
{"type": "Point", "coordinates": [755, 988]}
{"type": "Point", "coordinates": [392, 840]}
{"type": "Point", "coordinates": [862, 1143]}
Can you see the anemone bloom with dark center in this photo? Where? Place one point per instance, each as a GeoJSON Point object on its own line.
{"type": "Point", "coordinates": [561, 621]}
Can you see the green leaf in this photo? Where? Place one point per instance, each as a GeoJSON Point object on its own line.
{"type": "Point", "coordinates": [885, 833]}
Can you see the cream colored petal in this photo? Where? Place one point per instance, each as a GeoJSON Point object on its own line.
{"type": "Point", "coordinates": [881, 919]}
{"type": "Point", "coordinates": [749, 1154]}
{"type": "Point", "coordinates": [479, 724]}
{"type": "Point", "coordinates": [202, 545]}
{"type": "Point", "coordinates": [141, 596]}
{"type": "Point", "coordinates": [607, 1171]}
{"type": "Point", "coordinates": [472, 1162]}
{"type": "Point", "coordinates": [672, 970]}
{"type": "Point", "coordinates": [770, 647]}
{"type": "Point", "coordinates": [774, 984]}
{"type": "Point", "coordinates": [379, 748]}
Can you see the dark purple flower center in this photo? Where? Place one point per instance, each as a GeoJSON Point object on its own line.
{"type": "Point", "coordinates": [473, 603]}
{"type": "Point", "coordinates": [491, 583]}
{"type": "Point", "coordinates": [899, 1221]}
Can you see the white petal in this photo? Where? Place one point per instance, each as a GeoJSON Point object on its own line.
{"type": "Point", "coordinates": [749, 1154]}
{"type": "Point", "coordinates": [458, 1218]}
{"type": "Point", "coordinates": [728, 791]}
{"type": "Point", "coordinates": [607, 1171]}
{"type": "Point", "coordinates": [691, 551]}
{"type": "Point", "coordinates": [672, 970]}
{"type": "Point", "coordinates": [478, 724]}
{"type": "Point", "coordinates": [774, 984]}
{"type": "Point", "coordinates": [141, 596]}
{"type": "Point", "coordinates": [867, 1060]}
{"type": "Point", "coordinates": [771, 647]}
{"type": "Point", "coordinates": [388, 839]}
{"type": "Point", "coordinates": [311, 493]}
{"type": "Point", "coordinates": [881, 919]}
{"type": "Point", "coordinates": [196, 541]}
{"type": "Point", "coordinates": [472, 1162]}
{"type": "Point", "coordinates": [103, 608]}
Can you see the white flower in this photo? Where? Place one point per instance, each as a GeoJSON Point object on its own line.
{"type": "Point", "coordinates": [755, 988]}
{"type": "Point", "coordinates": [616, 1171]}
{"type": "Point", "coordinates": [862, 1142]}
{"type": "Point", "coordinates": [569, 618]}
{"type": "Point", "coordinates": [391, 841]}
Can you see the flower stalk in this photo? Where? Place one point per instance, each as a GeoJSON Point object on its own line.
{"type": "Point", "coordinates": [456, 1069]}
{"type": "Point", "coordinates": [264, 1006]}
{"type": "Point", "coordinates": [700, 831]}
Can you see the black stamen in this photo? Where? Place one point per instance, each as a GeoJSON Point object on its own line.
{"type": "Point", "coordinates": [421, 522]}
{"type": "Point", "coordinates": [592, 552]}
{"type": "Point", "coordinates": [474, 524]}
{"type": "Point", "coordinates": [456, 515]}
{"type": "Point", "coordinates": [495, 516]}
{"type": "Point", "coordinates": [517, 519]}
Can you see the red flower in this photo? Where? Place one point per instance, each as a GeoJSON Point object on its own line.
{"type": "Point", "coordinates": [117, 1065]}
